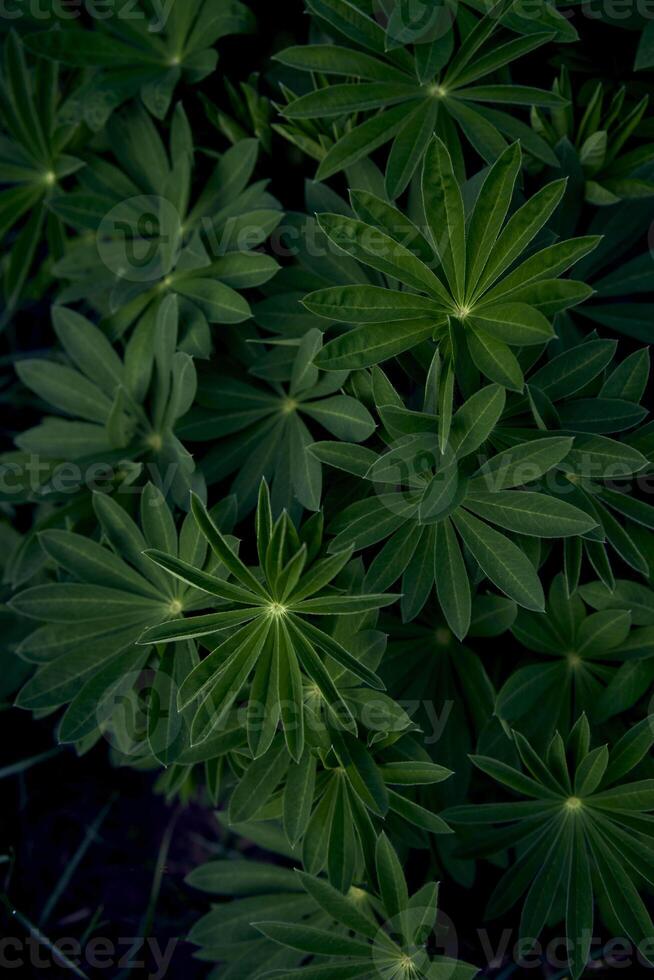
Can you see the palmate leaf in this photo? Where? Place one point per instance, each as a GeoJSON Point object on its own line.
{"type": "Point", "coordinates": [413, 98]}
{"type": "Point", "coordinates": [580, 392]}
{"type": "Point", "coordinates": [157, 235]}
{"type": "Point", "coordinates": [395, 938]}
{"type": "Point", "coordinates": [35, 160]}
{"type": "Point", "coordinates": [275, 422]}
{"type": "Point", "coordinates": [425, 656]}
{"type": "Point", "coordinates": [274, 606]}
{"type": "Point", "coordinates": [468, 299]}
{"type": "Point", "coordinates": [434, 508]}
{"type": "Point", "coordinates": [86, 652]}
{"type": "Point", "coordinates": [594, 461]}
{"type": "Point", "coordinates": [573, 842]}
{"type": "Point", "coordinates": [581, 389]}
{"type": "Point", "coordinates": [347, 788]}
{"type": "Point", "coordinates": [595, 663]}
{"type": "Point", "coordinates": [512, 458]}
{"type": "Point", "coordinates": [252, 888]}
{"type": "Point", "coordinates": [146, 52]}
{"type": "Point", "coordinates": [596, 141]}
{"type": "Point", "coordinates": [619, 271]}
{"type": "Point", "coordinates": [115, 409]}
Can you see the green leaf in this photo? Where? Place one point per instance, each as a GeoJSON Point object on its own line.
{"type": "Point", "coordinates": [374, 343]}
{"type": "Point", "coordinates": [368, 304]}
{"type": "Point", "coordinates": [547, 263]}
{"type": "Point", "coordinates": [232, 658]}
{"type": "Point", "coordinates": [337, 60]}
{"type": "Point", "coordinates": [409, 146]}
{"type": "Point", "coordinates": [88, 348]}
{"type": "Point", "coordinates": [451, 577]}
{"type": "Point", "coordinates": [298, 796]}
{"type": "Point", "coordinates": [635, 797]}
{"type": "Point", "coordinates": [525, 512]}
{"type": "Point", "coordinates": [343, 416]}
{"type": "Point", "coordinates": [475, 421]}
{"type": "Point", "coordinates": [219, 302]}
{"type": "Point", "coordinates": [513, 778]}
{"type": "Point", "coordinates": [187, 573]}
{"type": "Point", "coordinates": [395, 223]}
{"type": "Point", "coordinates": [258, 783]}
{"type": "Point", "coordinates": [501, 561]}
{"type": "Point", "coordinates": [65, 389]}
{"type": "Point", "coordinates": [418, 815]}
{"type": "Point", "coordinates": [68, 602]}
{"type": "Point", "coordinates": [390, 876]}
{"type": "Point", "coordinates": [381, 252]}
{"type": "Point", "coordinates": [337, 906]}
{"type": "Point", "coordinates": [590, 771]}
{"type": "Point", "coordinates": [598, 457]}
{"type": "Point", "coordinates": [546, 884]}
{"type": "Point", "coordinates": [490, 211]}
{"type": "Point", "coordinates": [519, 231]}
{"type": "Point", "coordinates": [511, 94]}
{"type": "Point", "coordinates": [338, 653]}
{"type": "Point", "coordinates": [309, 939]}
{"type": "Point", "coordinates": [241, 877]}
{"type": "Point", "coordinates": [625, 903]}
{"type": "Point", "coordinates": [351, 22]}
{"type": "Point", "coordinates": [445, 217]}
{"type": "Point", "coordinates": [363, 140]}
{"type": "Point", "coordinates": [221, 548]}
{"type": "Point", "coordinates": [513, 323]}
{"type": "Point", "coordinates": [193, 627]}
{"type": "Point", "coordinates": [93, 564]}
{"type": "Point", "coordinates": [502, 55]}
{"type": "Point", "coordinates": [521, 464]}
{"type": "Point", "coordinates": [339, 99]}
{"type": "Point", "coordinates": [629, 750]}
{"type": "Point", "coordinates": [351, 458]}
{"type": "Point", "coordinates": [495, 360]}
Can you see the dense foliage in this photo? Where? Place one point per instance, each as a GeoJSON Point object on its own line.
{"type": "Point", "coordinates": [324, 488]}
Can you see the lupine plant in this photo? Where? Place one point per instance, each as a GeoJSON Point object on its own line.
{"type": "Point", "coordinates": [324, 489]}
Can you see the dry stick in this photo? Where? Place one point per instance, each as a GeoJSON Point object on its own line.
{"type": "Point", "coordinates": [159, 869]}
{"type": "Point", "coordinates": [42, 939]}
{"type": "Point", "coordinates": [71, 867]}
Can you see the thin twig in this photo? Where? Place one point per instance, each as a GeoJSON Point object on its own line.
{"type": "Point", "coordinates": [71, 867]}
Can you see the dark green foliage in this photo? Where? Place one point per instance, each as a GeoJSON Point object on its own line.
{"type": "Point", "coordinates": [329, 505]}
{"type": "Point", "coordinates": [582, 830]}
